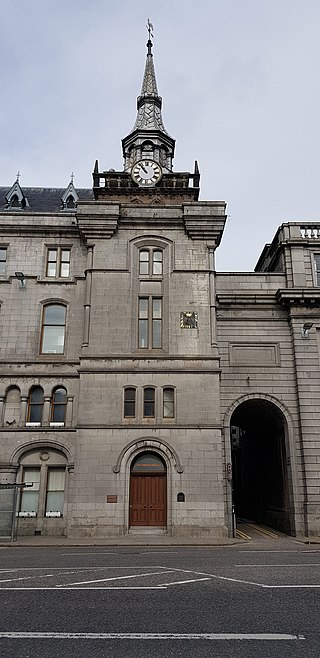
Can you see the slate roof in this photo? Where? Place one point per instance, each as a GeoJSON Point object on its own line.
{"type": "Point", "coordinates": [43, 199]}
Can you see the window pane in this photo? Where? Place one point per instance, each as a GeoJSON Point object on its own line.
{"type": "Point", "coordinates": [144, 262]}
{"type": "Point", "coordinates": [129, 402]}
{"type": "Point", "coordinates": [64, 269]}
{"type": "Point", "coordinates": [148, 461]}
{"type": "Point", "coordinates": [156, 333]}
{"type": "Point", "coordinates": [143, 308]}
{"type": "Point", "coordinates": [52, 262]}
{"type": "Point", "coordinates": [168, 403]}
{"type": "Point", "coordinates": [55, 490]}
{"type": "Point", "coordinates": [157, 262]}
{"type": "Point", "coordinates": [156, 308]}
{"type": "Point", "coordinates": [30, 495]}
{"type": "Point", "coordinates": [3, 257]}
{"type": "Point", "coordinates": [59, 403]}
{"type": "Point", "coordinates": [149, 402]}
{"type": "Point", "coordinates": [51, 269]}
{"type": "Point", "coordinates": [143, 333]}
{"type": "Point", "coordinates": [35, 413]}
{"type": "Point", "coordinates": [54, 314]}
{"type": "Point", "coordinates": [36, 396]}
{"type": "Point", "coordinates": [53, 340]}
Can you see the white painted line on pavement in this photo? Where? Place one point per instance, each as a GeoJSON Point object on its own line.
{"type": "Point", "coordinates": [182, 582]}
{"type": "Point", "coordinates": [103, 580]}
{"type": "Point", "coordinates": [272, 566]}
{"type": "Point", "coordinates": [83, 589]}
{"type": "Point", "coordinates": [154, 636]}
{"type": "Point", "coordinates": [13, 580]}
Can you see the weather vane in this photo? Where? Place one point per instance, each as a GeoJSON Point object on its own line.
{"type": "Point", "coordinates": [150, 29]}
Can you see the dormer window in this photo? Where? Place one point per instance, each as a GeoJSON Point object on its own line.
{"type": "Point", "coordinates": [70, 202]}
{"type": "Point", "coordinates": [69, 198]}
{"type": "Point", "coordinates": [15, 198]}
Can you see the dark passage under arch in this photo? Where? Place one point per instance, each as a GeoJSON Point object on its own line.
{"type": "Point", "coordinates": [259, 465]}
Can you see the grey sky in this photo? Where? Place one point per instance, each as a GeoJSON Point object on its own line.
{"type": "Point", "coordinates": [240, 87]}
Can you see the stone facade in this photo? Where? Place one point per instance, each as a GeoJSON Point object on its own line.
{"type": "Point", "coordinates": [153, 353]}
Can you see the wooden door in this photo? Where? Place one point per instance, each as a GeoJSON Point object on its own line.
{"type": "Point", "coordinates": [148, 499]}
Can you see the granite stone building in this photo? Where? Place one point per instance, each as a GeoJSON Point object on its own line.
{"type": "Point", "coordinates": [140, 390]}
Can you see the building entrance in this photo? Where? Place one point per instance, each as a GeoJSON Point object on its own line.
{"type": "Point", "coordinates": [148, 491]}
{"type": "Point", "coordinates": [259, 465]}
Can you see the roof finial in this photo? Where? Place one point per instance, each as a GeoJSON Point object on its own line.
{"type": "Point", "coordinates": [150, 29]}
{"type": "Point", "coordinates": [71, 177]}
{"type": "Point", "coordinates": [18, 176]}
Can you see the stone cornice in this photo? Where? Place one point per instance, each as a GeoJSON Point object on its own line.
{"type": "Point", "coordinates": [98, 221]}
{"type": "Point", "coordinates": [298, 296]}
{"type": "Point", "coordinates": [246, 299]}
{"type": "Point", "coordinates": [205, 221]}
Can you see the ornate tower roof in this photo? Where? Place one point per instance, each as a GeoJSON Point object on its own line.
{"type": "Point", "coordinates": [149, 102]}
{"type": "Point", "coordinates": [148, 135]}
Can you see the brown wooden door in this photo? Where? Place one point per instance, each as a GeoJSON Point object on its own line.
{"type": "Point", "coordinates": [148, 499]}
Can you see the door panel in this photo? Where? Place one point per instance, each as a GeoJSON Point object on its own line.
{"type": "Point", "coordinates": [148, 499]}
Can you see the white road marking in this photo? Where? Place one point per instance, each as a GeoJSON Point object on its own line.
{"type": "Point", "coordinates": [103, 580]}
{"type": "Point", "coordinates": [13, 580]}
{"type": "Point", "coordinates": [83, 589]}
{"type": "Point", "coordinates": [154, 636]}
{"type": "Point", "coordinates": [272, 566]}
{"type": "Point", "coordinates": [182, 582]}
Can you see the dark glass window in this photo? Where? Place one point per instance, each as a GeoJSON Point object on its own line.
{"type": "Point", "coordinates": [149, 402]}
{"type": "Point", "coordinates": [35, 405]}
{"type": "Point", "coordinates": [58, 405]}
{"type": "Point", "coordinates": [129, 402]}
{"type": "Point", "coordinates": [148, 462]}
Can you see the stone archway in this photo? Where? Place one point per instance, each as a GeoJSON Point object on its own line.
{"type": "Point", "coordinates": [261, 491]}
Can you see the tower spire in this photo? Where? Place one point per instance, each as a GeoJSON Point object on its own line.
{"type": "Point", "coordinates": [149, 128]}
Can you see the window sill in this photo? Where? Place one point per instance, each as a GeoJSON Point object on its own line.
{"type": "Point", "coordinates": [33, 424]}
{"type": "Point", "coordinates": [26, 514]}
{"type": "Point", "coordinates": [56, 424]}
{"type": "Point", "coordinates": [53, 515]}
{"type": "Point", "coordinates": [56, 279]}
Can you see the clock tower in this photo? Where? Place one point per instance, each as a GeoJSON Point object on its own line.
{"type": "Point", "coordinates": [148, 152]}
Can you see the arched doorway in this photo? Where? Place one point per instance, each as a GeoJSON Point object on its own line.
{"type": "Point", "coordinates": [259, 464]}
{"type": "Point", "coordinates": [148, 491]}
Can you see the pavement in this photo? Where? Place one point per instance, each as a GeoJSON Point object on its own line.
{"type": "Point", "coordinates": [129, 540]}
{"type": "Point", "coordinates": [138, 540]}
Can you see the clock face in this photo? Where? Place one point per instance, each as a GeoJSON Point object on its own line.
{"type": "Point", "coordinates": [146, 173]}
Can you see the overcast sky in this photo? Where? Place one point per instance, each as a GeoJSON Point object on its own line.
{"type": "Point", "coordinates": [240, 86]}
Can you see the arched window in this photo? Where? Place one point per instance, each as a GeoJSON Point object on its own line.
{"type": "Point", "coordinates": [148, 462]}
{"type": "Point", "coordinates": [59, 405]}
{"type": "Point", "coordinates": [149, 402]}
{"type": "Point", "coordinates": [12, 406]}
{"type": "Point", "coordinates": [168, 402]}
{"type": "Point", "coordinates": [15, 202]}
{"type": "Point", "coordinates": [70, 202]}
{"type": "Point", "coordinates": [35, 405]}
{"type": "Point", "coordinates": [129, 402]}
{"type": "Point", "coordinates": [53, 329]}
